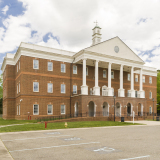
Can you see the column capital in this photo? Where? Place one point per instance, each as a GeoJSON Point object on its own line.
{"type": "Point", "coordinates": [109, 63]}
{"type": "Point", "coordinates": [84, 58]}
{"type": "Point", "coordinates": [97, 60]}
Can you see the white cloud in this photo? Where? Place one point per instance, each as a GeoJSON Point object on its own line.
{"type": "Point", "coordinates": [72, 22]}
{"type": "Point", "coordinates": [5, 9]}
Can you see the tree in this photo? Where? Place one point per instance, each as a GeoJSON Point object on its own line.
{"type": "Point", "coordinates": [158, 92]}
{"type": "Point", "coordinates": [1, 93]}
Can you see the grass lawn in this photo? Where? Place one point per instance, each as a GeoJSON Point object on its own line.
{"type": "Point", "coordinates": [60, 125]}
{"type": "Point", "coordinates": [8, 122]}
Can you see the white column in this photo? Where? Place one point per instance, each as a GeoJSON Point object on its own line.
{"type": "Point", "coordinates": [132, 79]}
{"type": "Point", "coordinates": [140, 81]}
{"type": "Point", "coordinates": [110, 90]}
{"type": "Point", "coordinates": [84, 72]}
{"type": "Point", "coordinates": [141, 92]}
{"type": "Point", "coordinates": [132, 91]}
{"type": "Point", "coordinates": [121, 90]}
{"type": "Point", "coordinates": [109, 75]}
{"type": "Point", "coordinates": [96, 87]}
{"type": "Point", "coordinates": [84, 87]}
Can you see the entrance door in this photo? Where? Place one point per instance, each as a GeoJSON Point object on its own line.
{"type": "Point", "coordinates": [105, 109]}
{"type": "Point", "coordinates": [91, 109]}
{"type": "Point", "coordinates": [129, 109]}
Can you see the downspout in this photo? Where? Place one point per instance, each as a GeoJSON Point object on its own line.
{"type": "Point", "coordinates": [71, 83]}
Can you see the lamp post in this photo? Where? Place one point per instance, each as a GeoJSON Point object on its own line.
{"type": "Point", "coordinates": [153, 108]}
{"type": "Point", "coordinates": [114, 107]}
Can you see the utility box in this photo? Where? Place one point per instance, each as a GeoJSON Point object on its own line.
{"type": "Point", "coordinates": [122, 119]}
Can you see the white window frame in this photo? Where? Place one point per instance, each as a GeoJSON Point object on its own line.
{"type": "Point", "coordinates": [19, 87]}
{"type": "Point", "coordinates": [33, 86]}
{"type": "Point", "coordinates": [75, 90]}
{"type": "Point", "coordinates": [62, 64]}
{"type": "Point", "coordinates": [64, 109]}
{"type": "Point", "coordinates": [136, 94]}
{"type": "Point", "coordinates": [129, 77]}
{"type": "Point", "coordinates": [149, 110]}
{"type": "Point", "coordinates": [19, 109]}
{"type": "Point", "coordinates": [112, 77]}
{"type": "Point", "coordinates": [33, 63]}
{"type": "Point", "coordinates": [48, 66]}
{"type": "Point", "coordinates": [86, 71]}
{"type": "Point", "coordinates": [48, 87]}
{"type": "Point", "coordinates": [150, 95]}
{"type": "Point", "coordinates": [143, 79]}
{"type": "Point", "coordinates": [74, 71]}
{"type": "Point", "coordinates": [64, 88]}
{"type": "Point", "coordinates": [136, 78]}
{"type": "Point", "coordinates": [105, 74]}
{"type": "Point", "coordinates": [51, 109]}
{"type": "Point", "coordinates": [19, 65]}
{"type": "Point", "coordinates": [33, 109]}
{"type": "Point", "coordinates": [150, 80]}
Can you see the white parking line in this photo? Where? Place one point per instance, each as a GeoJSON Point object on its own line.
{"type": "Point", "coordinates": [136, 157]}
{"type": "Point", "coordinates": [54, 146]}
{"type": "Point", "coordinates": [34, 138]}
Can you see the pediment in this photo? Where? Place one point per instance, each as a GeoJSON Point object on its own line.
{"type": "Point", "coordinates": [110, 47]}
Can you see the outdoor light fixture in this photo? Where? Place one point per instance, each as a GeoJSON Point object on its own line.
{"type": "Point", "coordinates": [153, 108]}
{"type": "Point", "coordinates": [114, 106]}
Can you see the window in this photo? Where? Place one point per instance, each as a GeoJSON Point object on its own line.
{"type": "Point", "coordinates": [19, 87]}
{"type": "Point", "coordinates": [74, 69]}
{"type": "Point", "coordinates": [136, 78]}
{"type": "Point", "coordinates": [143, 79]}
{"type": "Point", "coordinates": [35, 86]}
{"type": "Point", "coordinates": [62, 109]}
{"type": "Point", "coordinates": [104, 74]}
{"type": "Point", "coordinates": [129, 76]}
{"type": "Point", "coordinates": [112, 74]}
{"type": "Point", "coordinates": [136, 95]}
{"type": "Point", "coordinates": [50, 109]}
{"type": "Point", "coordinates": [19, 65]}
{"type": "Point", "coordinates": [150, 79]}
{"type": "Point", "coordinates": [50, 88]}
{"type": "Point", "coordinates": [150, 95]}
{"type": "Point", "coordinates": [35, 64]}
{"type": "Point", "coordinates": [63, 86]}
{"type": "Point", "coordinates": [19, 110]}
{"type": "Point", "coordinates": [35, 109]}
{"type": "Point", "coordinates": [50, 66]}
{"type": "Point", "coordinates": [74, 89]}
{"type": "Point", "coordinates": [150, 110]}
{"type": "Point", "coordinates": [87, 71]}
{"type": "Point", "coordinates": [63, 68]}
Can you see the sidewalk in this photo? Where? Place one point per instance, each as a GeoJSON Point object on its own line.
{"type": "Point", "coordinates": [149, 123]}
{"type": "Point", "coordinates": [4, 154]}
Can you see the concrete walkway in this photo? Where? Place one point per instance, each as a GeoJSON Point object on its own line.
{"type": "Point", "coordinates": [150, 123]}
{"type": "Point", "coordinates": [4, 154]}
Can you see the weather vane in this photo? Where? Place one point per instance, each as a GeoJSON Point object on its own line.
{"type": "Point", "coordinates": [96, 22]}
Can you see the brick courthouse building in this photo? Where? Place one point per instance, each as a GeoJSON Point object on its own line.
{"type": "Point", "coordinates": [41, 81]}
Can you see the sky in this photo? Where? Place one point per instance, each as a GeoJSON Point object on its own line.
{"type": "Point", "coordinates": [68, 24]}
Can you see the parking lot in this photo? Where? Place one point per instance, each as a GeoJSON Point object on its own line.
{"type": "Point", "coordinates": [108, 143]}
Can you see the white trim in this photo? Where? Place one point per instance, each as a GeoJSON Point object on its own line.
{"type": "Point", "coordinates": [38, 109]}
{"type": "Point", "coordinates": [64, 68]}
{"type": "Point", "coordinates": [150, 80]}
{"type": "Point", "coordinates": [33, 86]}
{"type": "Point", "coordinates": [33, 63]}
{"type": "Point", "coordinates": [129, 77]}
{"type": "Point", "coordinates": [47, 88]}
{"type": "Point", "coordinates": [64, 88]}
{"type": "Point", "coordinates": [150, 97]}
{"type": "Point", "coordinates": [111, 74]}
{"type": "Point", "coordinates": [75, 90]}
{"type": "Point", "coordinates": [51, 109]}
{"type": "Point", "coordinates": [64, 108]}
{"type": "Point", "coordinates": [73, 69]}
{"type": "Point", "coordinates": [52, 66]}
{"type": "Point", "coordinates": [105, 74]}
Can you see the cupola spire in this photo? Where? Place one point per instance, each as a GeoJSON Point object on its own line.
{"type": "Point", "coordinates": [96, 37]}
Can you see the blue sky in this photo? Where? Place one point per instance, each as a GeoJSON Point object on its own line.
{"type": "Point", "coordinates": [68, 24]}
